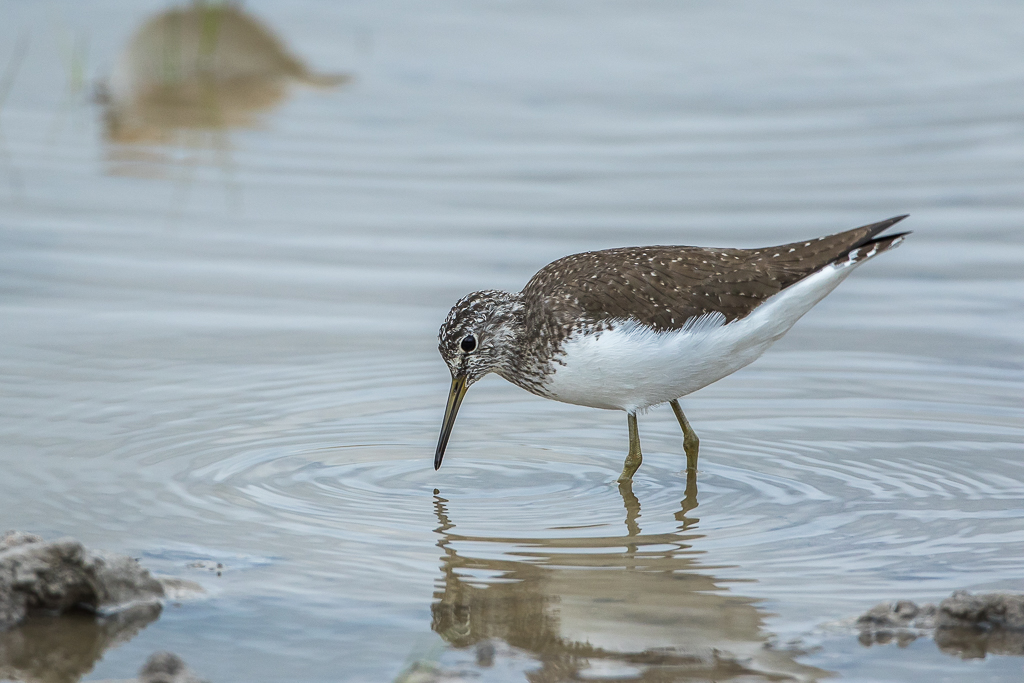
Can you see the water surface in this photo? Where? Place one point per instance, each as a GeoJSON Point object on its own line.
{"type": "Point", "coordinates": [218, 334]}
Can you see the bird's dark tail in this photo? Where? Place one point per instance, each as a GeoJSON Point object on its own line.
{"type": "Point", "coordinates": [866, 232]}
{"type": "Point", "coordinates": [870, 244]}
{"type": "Point", "coordinates": [792, 262]}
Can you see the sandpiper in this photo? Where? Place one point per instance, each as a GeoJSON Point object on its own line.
{"type": "Point", "coordinates": [630, 328]}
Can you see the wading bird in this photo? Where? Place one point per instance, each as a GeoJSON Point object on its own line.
{"type": "Point", "coordinates": [630, 328]}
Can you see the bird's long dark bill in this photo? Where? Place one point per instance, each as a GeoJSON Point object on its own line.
{"type": "Point", "coordinates": [454, 401]}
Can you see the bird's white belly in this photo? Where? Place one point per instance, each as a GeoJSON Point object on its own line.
{"type": "Point", "coordinates": [631, 367]}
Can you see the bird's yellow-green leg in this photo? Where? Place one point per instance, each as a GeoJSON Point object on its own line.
{"type": "Point", "coordinates": [691, 444]}
{"type": "Point", "coordinates": [634, 458]}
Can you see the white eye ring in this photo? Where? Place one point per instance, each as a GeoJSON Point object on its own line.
{"type": "Point", "coordinates": [468, 343]}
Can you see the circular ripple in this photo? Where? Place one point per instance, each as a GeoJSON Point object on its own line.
{"type": "Point", "coordinates": [822, 481]}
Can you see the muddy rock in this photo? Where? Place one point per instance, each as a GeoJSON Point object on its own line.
{"type": "Point", "coordinates": [903, 614]}
{"type": "Point", "coordinates": [203, 66]}
{"type": "Point", "coordinates": [986, 611]}
{"type": "Point", "coordinates": [902, 621]}
{"type": "Point", "coordinates": [167, 667]}
{"type": "Point", "coordinates": [967, 625]}
{"type": "Point", "coordinates": [972, 626]}
{"type": "Point", "coordinates": [63, 575]}
{"type": "Point", "coordinates": [16, 538]}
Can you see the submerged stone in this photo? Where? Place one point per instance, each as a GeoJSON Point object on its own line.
{"type": "Point", "coordinates": [62, 575]}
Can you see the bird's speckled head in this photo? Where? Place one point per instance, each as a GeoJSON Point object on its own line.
{"type": "Point", "coordinates": [479, 333]}
{"type": "Point", "coordinates": [479, 336]}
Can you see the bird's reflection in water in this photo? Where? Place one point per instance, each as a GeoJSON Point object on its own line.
{"type": "Point", "coordinates": [633, 607]}
{"type": "Point", "coordinates": [63, 648]}
{"type": "Point", "coordinates": [188, 75]}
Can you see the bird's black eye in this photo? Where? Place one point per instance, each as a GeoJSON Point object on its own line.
{"type": "Point", "coordinates": [469, 343]}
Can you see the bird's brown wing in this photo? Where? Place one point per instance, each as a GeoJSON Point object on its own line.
{"type": "Point", "coordinates": [665, 286]}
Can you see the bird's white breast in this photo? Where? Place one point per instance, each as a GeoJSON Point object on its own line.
{"type": "Point", "coordinates": [633, 367]}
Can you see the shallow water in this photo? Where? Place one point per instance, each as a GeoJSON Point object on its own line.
{"type": "Point", "coordinates": [218, 340]}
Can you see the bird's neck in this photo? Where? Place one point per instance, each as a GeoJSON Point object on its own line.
{"type": "Point", "coordinates": [507, 327]}
{"type": "Point", "coordinates": [518, 360]}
